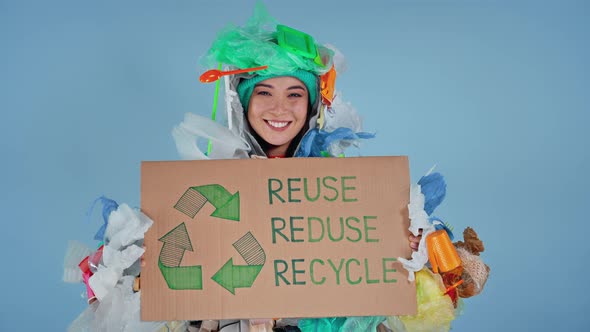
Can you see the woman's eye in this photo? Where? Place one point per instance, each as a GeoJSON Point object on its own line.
{"type": "Point", "coordinates": [295, 95]}
{"type": "Point", "coordinates": [263, 93]}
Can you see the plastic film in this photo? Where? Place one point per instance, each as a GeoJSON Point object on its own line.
{"type": "Point", "coordinates": [256, 44]}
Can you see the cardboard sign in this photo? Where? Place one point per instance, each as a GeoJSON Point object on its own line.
{"type": "Point", "coordinates": [282, 238]}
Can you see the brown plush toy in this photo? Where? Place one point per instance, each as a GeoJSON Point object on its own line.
{"type": "Point", "coordinates": [475, 271]}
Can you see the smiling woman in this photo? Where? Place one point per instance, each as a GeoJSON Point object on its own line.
{"type": "Point", "coordinates": [278, 110]}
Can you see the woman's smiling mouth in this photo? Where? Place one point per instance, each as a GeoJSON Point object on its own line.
{"type": "Point", "coordinates": [277, 125]}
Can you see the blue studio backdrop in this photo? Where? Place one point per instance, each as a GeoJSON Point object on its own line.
{"type": "Point", "coordinates": [495, 93]}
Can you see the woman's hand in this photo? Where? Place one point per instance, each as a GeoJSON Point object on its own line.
{"type": "Point", "coordinates": [415, 240]}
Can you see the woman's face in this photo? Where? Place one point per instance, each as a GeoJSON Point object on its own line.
{"type": "Point", "coordinates": [278, 111]}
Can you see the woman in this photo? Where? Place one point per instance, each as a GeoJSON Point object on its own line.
{"type": "Point", "coordinates": [284, 106]}
{"type": "Point", "coordinates": [281, 105]}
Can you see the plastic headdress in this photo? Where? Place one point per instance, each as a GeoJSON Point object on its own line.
{"type": "Point", "coordinates": [257, 44]}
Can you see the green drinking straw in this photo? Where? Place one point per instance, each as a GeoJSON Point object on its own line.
{"type": "Point", "coordinates": [214, 112]}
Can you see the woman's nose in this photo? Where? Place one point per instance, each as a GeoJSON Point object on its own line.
{"type": "Point", "coordinates": [280, 106]}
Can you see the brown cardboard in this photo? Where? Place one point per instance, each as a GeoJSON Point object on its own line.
{"type": "Point", "coordinates": [370, 194]}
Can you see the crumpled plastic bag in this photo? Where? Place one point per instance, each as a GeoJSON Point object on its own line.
{"type": "Point", "coordinates": [118, 307]}
{"type": "Point", "coordinates": [75, 253]}
{"type": "Point", "coordinates": [226, 145]}
{"type": "Point", "coordinates": [118, 311]}
{"type": "Point", "coordinates": [126, 227]}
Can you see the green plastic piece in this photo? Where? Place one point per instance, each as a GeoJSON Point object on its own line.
{"type": "Point", "coordinates": [214, 112]}
{"type": "Point", "coordinates": [298, 42]}
{"type": "Point", "coordinates": [327, 154]}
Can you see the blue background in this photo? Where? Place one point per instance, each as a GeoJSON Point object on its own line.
{"type": "Point", "coordinates": [496, 93]}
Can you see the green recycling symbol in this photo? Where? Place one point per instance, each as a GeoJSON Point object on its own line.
{"type": "Point", "coordinates": [177, 241]}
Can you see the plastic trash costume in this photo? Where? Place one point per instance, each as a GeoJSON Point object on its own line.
{"type": "Point", "coordinates": [332, 126]}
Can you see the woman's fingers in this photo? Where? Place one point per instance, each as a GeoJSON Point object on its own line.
{"type": "Point", "coordinates": [142, 259]}
{"type": "Point", "coordinates": [415, 240]}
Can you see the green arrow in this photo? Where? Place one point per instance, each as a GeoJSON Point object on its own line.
{"type": "Point", "coordinates": [232, 276]}
{"type": "Point", "coordinates": [230, 210]}
{"type": "Point", "coordinates": [227, 206]}
{"type": "Point", "coordinates": [178, 237]}
{"type": "Point", "coordinates": [176, 242]}
{"type": "Point", "coordinates": [182, 277]}
{"type": "Point", "coordinates": [215, 193]}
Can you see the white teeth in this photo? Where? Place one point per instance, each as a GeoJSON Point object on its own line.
{"type": "Point", "coordinates": [277, 124]}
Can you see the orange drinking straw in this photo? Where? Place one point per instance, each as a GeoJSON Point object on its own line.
{"type": "Point", "coordinates": [455, 285]}
{"type": "Point", "coordinates": [441, 252]}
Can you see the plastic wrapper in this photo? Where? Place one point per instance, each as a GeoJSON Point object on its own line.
{"type": "Point", "coordinates": [318, 141]}
{"type": "Point", "coordinates": [338, 59]}
{"type": "Point", "coordinates": [108, 206]}
{"type": "Point", "coordinates": [94, 260]}
{"type": "Point", "coordinates": [126, 226]}
{"type": "Point", "coordinates": [250, 46]}
{"type": "Point", "coordinates": [75, 253]}
{"type": "Point", "coordinates": [226, 145]}
{"type": "Point", "coordinates": [361, 323]}
{"type": "Point", "coordinates": [115, 262]}
{"type": "Point", "coordinates": [321, 324]}
{"type": "Point", "coordinates": [340, 324]}
{"type": "Point", "coordinates": [283, 322]}
{"type": "Point", "coordinates": [260, 325]}
{"type": "Point", "coordinates": [172, 326]}
{"type": "Point", "coordinates": [475, 273]}
{"type": "Point", "coordinates": [434, 189]}
{"type": "Point", "coordinates": [118, 307]}
{"type": "Point", "coordinates": [342, 129]}
{"type": "Point", "coordinates": [342, 114]}
{"type": "Point", "coordinates": [124, 236]}
{"type": "Point", "coordinates": [118, 311]}
{"type": "Point", "coordinates": [435, 310]}
{"type": "Point", "coordinates": [84, 322]}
